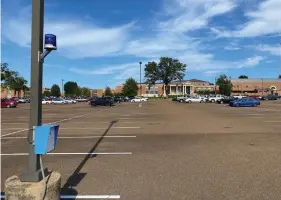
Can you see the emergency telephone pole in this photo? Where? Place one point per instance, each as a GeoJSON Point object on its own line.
{"type": "Point", "coordinates": [34, 174]}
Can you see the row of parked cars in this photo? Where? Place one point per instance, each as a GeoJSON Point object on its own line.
{"type": "Point", "coordinates": [236, 100]}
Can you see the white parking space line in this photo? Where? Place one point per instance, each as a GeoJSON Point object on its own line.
{"type": "Point", "coordinates": [78, 137]}
{"type": "Point", "coordinates": [94, 128]}
{"type": "Point", "coordinates": [108, 153]}
{"type": "Point", "coordinates": [83, 196]}
{"type": "Point", "coordinates": [13, 123]}
{"type": "Point", "coordinates": [66, 119]}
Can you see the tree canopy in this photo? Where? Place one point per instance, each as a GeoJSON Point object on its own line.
{"type": "Point", "coordinates": [130, 87]}
{"type": "Point", "coordinates": [12, 80]}
{"type": "Point", "coordinates": [47, 93]}
{"type": "Point", "coordinates": [279, 76]}
{"type": "Point", "coordinates": [70, 88]}
{"type": "Point", "coordinates": [225, 85]}
{"type": "Point", "coordinates": [167, 70]}
{"type": "Point", "coordinates": [55, 90]}
{"type": "Point", "coordinates": [78, 91]}
{"type": "Point", "coordinates": [108, 92]}
{"type": "Point", "coordinates": [243, 77]}
{"type": "Point", "coordinates": [85, 92]}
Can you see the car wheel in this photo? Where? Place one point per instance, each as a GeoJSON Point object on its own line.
{"type": "Point", "coordinates": [254, 105]}
{"type": "Point", "coordinates": [236, 105]}
{"type": "Point", "coordinates": [201, 101]}
{"type": "Point", "coordinates": [221, 102]}
{"type": "Point", "coordinates": [213, 100]}
{"type": "Point", "coordinates": [189, 101]}
{"type": "Point", "coordinates": [8, 106]}
{"type": "Point", "coordinates": [181, 100]}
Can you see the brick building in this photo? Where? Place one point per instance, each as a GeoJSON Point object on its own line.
{"type": "Point", "coordinates": [175, 88]}
{"type": "Point", "coordinates": [256, 86]}
{"type": "Point", "coordinates": [5, 93]}
{"type": "Point", "coordinates": [97, 92]}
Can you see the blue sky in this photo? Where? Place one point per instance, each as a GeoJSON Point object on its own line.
{"type": "Point", "coordinates": [100, 42]}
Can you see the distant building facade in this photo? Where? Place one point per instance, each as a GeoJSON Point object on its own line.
{"type": "Point", "coordinates": [174, 88]}
{"type": "Point", "coordinates": [256, 86]}
{"type": "Point", "coordinates": [97, 92]}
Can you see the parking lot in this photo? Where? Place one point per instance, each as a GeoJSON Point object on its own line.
{"type": "Point", "coordinates": [159, 150]}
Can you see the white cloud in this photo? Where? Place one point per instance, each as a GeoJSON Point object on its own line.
{"type": "Point", "coordinates": [274, 50]}
{"type": "Point", "coordinates": [75, 38]}
{"type": "Point", "coordinates": [250, 62]}
{"type": "Point", "coordinates": [188, 15]}
{"type": "Point", "coordinates": [265, 20]}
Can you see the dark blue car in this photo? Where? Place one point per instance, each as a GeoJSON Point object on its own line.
{"type": "Point", "coordinates": [245, 102]}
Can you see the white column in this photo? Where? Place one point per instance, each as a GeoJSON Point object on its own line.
{"type": "Point", "coordinates": [170, 89]}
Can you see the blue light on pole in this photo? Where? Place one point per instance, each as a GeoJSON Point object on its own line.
{"type": "Point", "coordinates": [50, 42]}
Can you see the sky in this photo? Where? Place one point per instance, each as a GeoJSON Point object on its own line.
{"type": "Point", "coordinates": [101, 42]}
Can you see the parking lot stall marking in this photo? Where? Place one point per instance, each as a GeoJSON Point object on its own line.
{"type": "Point", "coordinates": [78, 137]}
{"type": "Point", "coordinates": [67, 119]}
{"type": "Point", "coordinates": [83, 196]}
{"type": "Point", "coordinates": [77, 128]}
{"type": "Point", "coordinates": [106, 153]}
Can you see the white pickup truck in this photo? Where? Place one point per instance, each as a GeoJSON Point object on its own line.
{"type": "Point", "coordinates": [240, 96]}
{"type": "Point", "coordinates": [214, 98]}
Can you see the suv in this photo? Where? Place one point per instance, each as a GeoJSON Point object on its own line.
{"type": "Point", "coordinates": [270, 97]}
{"type": "Point", "coordinates": [103, 101]}
{"type": "Point", "coordinates": [214, 98]}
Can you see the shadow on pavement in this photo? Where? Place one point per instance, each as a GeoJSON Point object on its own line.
{"type": "Point", "coordinates": [76, 176]}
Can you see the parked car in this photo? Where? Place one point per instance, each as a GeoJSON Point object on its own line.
{"type": "Point", "coordinates": [70, 100]}
{"type": "Point", "coordinates": [81, 99]}
{"type": "Point", "coordinates": [22, 100]}
{"type": "Point", "coordinates": [15, 99]}
{"type": "Point", "coordinates": [240, 96]}
{"type": "Point", "coordinates": [226, 100]}
{"type": "Point", "coordinates": [257, 97]}
{"type": "Point", "coordinates": [8, 103]}
{"type": "Point", "coordinates": [58, 101]}
{"type": "Point", "coordinates": [194, 100]}
{"type": "Point", "coordinates": [117, 99]}
{"type": "Point", "coordinates": [102, 101]}
{"type": "Point", "coordinates": [214, 98]}
{"type": "Point", "coordinates": [269, 97]}
{"type": "Point", "coordinates": [245, 102]}
{"type": "Point", "coordinates": [46, 101]}
{"type": "Point", "coordinates": [138, 99]}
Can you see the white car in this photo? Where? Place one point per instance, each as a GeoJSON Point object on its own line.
{"type": "Point", "coordinates": [240, 96]}
{"type": "Point", "coordinates": [214, 98]}
{"type": "Point", "coordinates": [58, 101]}
{"type": "Point", "coordinates": [80, 100]}
{"type": "Point", "coordinates": [46, 101]}
{"type": "Point", "coordinates": [194, 100]}
{"type": "Point", "coordinates": [138, 99]}
{"type": "Point", "coordinates": [69, 100]}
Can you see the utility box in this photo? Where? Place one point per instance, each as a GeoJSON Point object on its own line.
{"type": "Point", "coordinates": [45, 138]}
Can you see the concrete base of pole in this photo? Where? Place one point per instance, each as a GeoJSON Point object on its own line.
{"type": "Point", "coordinates": [17, 190]}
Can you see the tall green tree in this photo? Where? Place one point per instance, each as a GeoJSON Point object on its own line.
{"type": "Point", "coordinates": [19, 85]}
{"type": "Point", "coordinates": [55, 90]}
{"type": "Point", "coordinates": [78, 91]}
{"type": "Point", "coordinates": [225, 85]}
{"type": "Point", "coordinates": [166, 71]}
{"type": "Point", "coordinates": [108, 92]}
{"type": "Point", "coordinates": [243, 77]}
{"type": "Point", "coordinates": [279, 76]}
{"type": "Point", "coordinates": [130, 87]}
{"type": "Point", "coordinates": [85, 92]}
{"type": "Point", "coordinates": [70, 88]}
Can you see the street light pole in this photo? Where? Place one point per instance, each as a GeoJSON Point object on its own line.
{"type": "Point", "coordinates": [140, 78]}
{"type": "Point", "coordinates": [33, 173]}
{"type": "Point", "coordinates": [62, 87]}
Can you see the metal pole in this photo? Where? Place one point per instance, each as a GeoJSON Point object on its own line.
{"type": "Point", "coordinates": [215, 85]}
{"type": "Point", "coordinates": [34, 174]}
{"type": "Point", "coordinates": [140, 78]}
{"type": "Point", "coordinates": [262, 85]}
{"type": "Point", "coordinates": [62, 87]}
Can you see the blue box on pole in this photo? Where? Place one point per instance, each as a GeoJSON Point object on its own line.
{"type": "Point", "coordinates": [45, 138]}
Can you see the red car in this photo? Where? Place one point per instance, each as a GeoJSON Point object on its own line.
{"type": "Point", "coordinates": [7, 103]}
{"type": "Point", "coordinates": [256, 97]}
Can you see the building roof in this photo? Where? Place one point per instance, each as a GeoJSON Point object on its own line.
{"type": "Point", "coordinates": [257, 80]}
{"type": "Point", "coordinates": [198, 81]}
